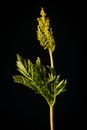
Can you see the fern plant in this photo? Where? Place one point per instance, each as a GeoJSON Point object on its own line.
{"type": "Point", "coordinates": [42, 79]}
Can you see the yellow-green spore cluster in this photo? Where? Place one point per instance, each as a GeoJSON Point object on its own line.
{"type": "Point", "coordinates": [44, 32]}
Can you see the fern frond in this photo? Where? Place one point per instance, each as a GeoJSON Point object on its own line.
{"type": "Point", "coordinates": [39, 78]}
{"type": "Point", "coordinates": [42, 80]}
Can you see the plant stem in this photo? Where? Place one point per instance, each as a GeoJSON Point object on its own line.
{"type": "Point", "coordinates": [51, 59]}
{"type": "Point", "coordinates": [51, 107]}
{"type": "Point", "coordinates": [51, 118]}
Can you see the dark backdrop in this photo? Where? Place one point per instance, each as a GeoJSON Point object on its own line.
{"type": "Point", "coordinates": [19, 106]}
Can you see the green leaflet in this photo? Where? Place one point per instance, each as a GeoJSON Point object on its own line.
{"type": "Point", "coordinates": [40, 79]}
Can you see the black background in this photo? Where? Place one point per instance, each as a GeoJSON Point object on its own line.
{"type": "Point", "coordinates": [19, 106]}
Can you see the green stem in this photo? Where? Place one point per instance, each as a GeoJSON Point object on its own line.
{"type": "Point", "coordinates": [51, 107]}
{"type": "Point", "coordinates": [51, 59]}
{"type": "Point", "coordinates": [51, 118]}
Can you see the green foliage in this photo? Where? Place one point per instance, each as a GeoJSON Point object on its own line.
{"type": "Point", "coordinates": [42, 80]}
